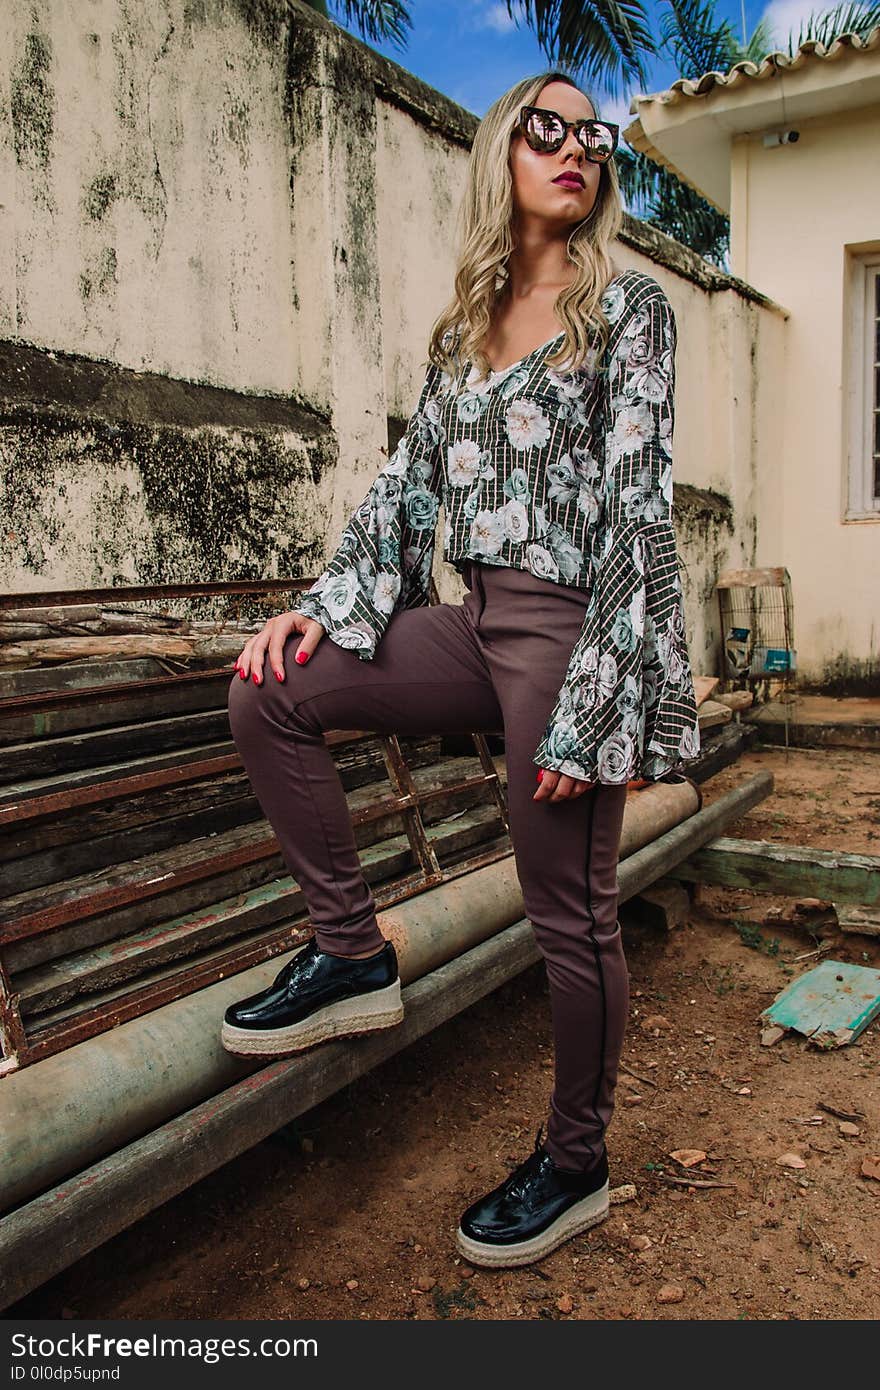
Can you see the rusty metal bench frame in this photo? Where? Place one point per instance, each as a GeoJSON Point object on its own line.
{"type": "Point", "coordinates": [22, 1045]}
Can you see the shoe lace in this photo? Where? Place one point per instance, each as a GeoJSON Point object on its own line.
{"type": "Point", "coordinates": [516, 1183]}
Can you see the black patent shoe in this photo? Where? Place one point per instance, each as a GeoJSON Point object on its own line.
{"type": "Point", "coordinates": [533, 1211]}
{"type": "Point", "coordinates": [316, 996]}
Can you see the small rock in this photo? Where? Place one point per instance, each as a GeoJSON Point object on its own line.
{"type": "Point", "coordinates": [426, 1283]}
{"type": "Point", "coordinates": [633, 1098]}
{"type": "Point", "coordinates": [847, 1128]}
{"type": "Point", "coordinates": [302, 1283]}
{"type": "Point", "coordinates": [871, 1167]}
{"type": "Point", "coordinates": [744, 1091]}
{"type": "Point", "coordinates": [670, 1293]}
{"type": "Point", "coordinates": [791, 1161]}
{"type": "Point", "coordinates": [565, 1303]}
{"type": "Point", "coordinates": [640, 1242]}
{"type": "Point", "coordinates": [307, 1145]}
{"type": "Point", "coordinates": [771, 1035]}
{"type": "Point", "coordinates": [655, 1022]}
{"type": "Point", "coordinates": [417, 1248]}
{"type": "Point", "coordinates": [351, 1284]}
{"type": "Point", "coordinates": [627, 1192]}
{"type": "Point", "coordinates": [688, 1158]}
{"type": "Point", "coordinates": [467, 1272]}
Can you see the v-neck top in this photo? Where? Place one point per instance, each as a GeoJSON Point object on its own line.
{"type": "Point", "coordinates": [567, 475]}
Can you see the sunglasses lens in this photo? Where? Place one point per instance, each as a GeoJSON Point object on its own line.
{"type": "Point", "coordinates": [598, 141]}
{"type": "Point", "coordinates": [542, 130]}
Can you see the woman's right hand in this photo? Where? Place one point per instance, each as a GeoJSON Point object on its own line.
{"type": "Point", "coordinates": [272, 639]}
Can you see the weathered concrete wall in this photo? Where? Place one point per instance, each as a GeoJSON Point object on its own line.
{"type": "Point", "coordinates": [225, 231]}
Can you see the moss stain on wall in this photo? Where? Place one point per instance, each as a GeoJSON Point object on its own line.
{"type": "Point", "coordinates": [167, 505]}
{"type": "Point", "coordinates": [32, 108]}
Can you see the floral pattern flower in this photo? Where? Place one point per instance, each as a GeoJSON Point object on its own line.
{"type": "Point", "coordinates": [567, 475]}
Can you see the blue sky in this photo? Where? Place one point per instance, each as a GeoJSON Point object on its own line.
{"type": "Point", "coordinates": [472, 51]}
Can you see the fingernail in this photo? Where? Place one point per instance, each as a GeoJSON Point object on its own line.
{"type": "Point", "coordinates": [242, 673]}
{"type": "Point", "coordinates": [256, 678]}
{"type": "Point", "coordinates": [540, 774]}
{"type": "Point", "coordinates": [302, 658]}
{"type": "Point", "coordinates": [279, 676]}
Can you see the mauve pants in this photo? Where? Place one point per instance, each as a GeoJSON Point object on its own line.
{"type": "Point", "coordinates": [495, 662]}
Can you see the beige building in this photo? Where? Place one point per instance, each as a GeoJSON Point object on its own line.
{"type": "Point", "coordinates": [791, 150]}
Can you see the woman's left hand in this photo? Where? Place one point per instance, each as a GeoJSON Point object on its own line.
{"type": "Point", "coordinates": [556, 786]}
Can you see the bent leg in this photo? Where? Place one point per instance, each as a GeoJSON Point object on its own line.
{"type": "Point", "coordinates": [428, 677]}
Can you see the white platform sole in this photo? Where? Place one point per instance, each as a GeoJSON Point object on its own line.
{"type": "Point", "coordinates": [589, 1211]}
{"type": "Point", "coordinates": [362, 1013]}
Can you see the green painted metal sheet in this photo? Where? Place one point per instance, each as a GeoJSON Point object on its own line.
{"type": "Point", "coordinates": [831, 1004]}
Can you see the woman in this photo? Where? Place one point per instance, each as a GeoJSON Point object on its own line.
{"type": "Point", "coordinates": [555, 472]}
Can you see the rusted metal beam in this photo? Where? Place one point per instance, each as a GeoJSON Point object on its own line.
{"type": "Point", "coordinates": [106, 899]}
{"type": "Point", "coordinates": [43, 700]}
{"type": "Point", "coordinates": [39, 807]}
{"type": "Point", "coordinates": [31, 1046]}
{"type": "Point", "coordinates": [59, 598]}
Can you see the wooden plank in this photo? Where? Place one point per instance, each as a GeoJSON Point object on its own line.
{"type": "Point", "coordinates": [73, 781]}
{"type": "Point", "coordinates": [859, 919]}
{"type": "Point", "coordinates": [736, 699]}
{"type": "Point", "coordinates": [721, 747]}
{"type": "Point", "coordinates": [70, 648]}
{"type": "Point", "coordinates": [712, 712]}
{"type": "Point", "coordinates": [42, 759]}
{"type": "Point", "coordinates": [28, 726]}
{"type": "Point", "coordinates": [797, 870]}
{"type": "Point", "coordinates": [704, 686]}
{"type": "Point", "coordinates": [60, 680]}
{"type": "Point", "coordinates": [774, 577]}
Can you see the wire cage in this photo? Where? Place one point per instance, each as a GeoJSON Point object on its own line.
{"type": "Point", "coordinates": [757, 630]}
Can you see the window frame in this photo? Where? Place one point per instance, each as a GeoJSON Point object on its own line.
{"type": "Point", "coordinates": [864, 393]}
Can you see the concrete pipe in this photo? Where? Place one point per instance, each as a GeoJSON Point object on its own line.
{"type": "Point", "coordinates": [68, 1110]}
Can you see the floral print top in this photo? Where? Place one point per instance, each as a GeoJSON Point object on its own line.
{"type": "Point", "coordinates": [567, 475]}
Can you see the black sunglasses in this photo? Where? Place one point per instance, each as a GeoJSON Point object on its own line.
{"type": "Point", "coordinates": [546, 131]}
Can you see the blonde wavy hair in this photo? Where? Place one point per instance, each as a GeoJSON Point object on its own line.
{"type": "Point", "coordinates": [485, 240]}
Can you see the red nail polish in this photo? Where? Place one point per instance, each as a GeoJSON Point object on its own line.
{"type": "Point", "coordinates": [256, 678]}
{"type": "Point", "coordinates": [279, 676]}
{"type": "Point", "coordinates": [540, 774]}
{"type": "Point", "coordinates": [242, 673]}
{"type": "Point", "coordinates": [302, 658]}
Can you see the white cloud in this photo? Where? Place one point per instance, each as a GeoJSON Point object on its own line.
{"type": "Point", "coordinates": [616, 111]}
{"type": "Point", "coordinates": [786, 16]}
{"type": "Point", "coordinates": [494, 15]}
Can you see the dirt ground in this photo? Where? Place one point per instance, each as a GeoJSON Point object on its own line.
{"type": "Point", "coordinates": [350, 1212]}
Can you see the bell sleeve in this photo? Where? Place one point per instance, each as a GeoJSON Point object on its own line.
{"type": "Point", "coordinates": [384, 558]}
{"type": "Point", "coordinates": [627, 708]}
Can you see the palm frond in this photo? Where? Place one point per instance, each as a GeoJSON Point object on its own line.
{"type": "Point", "coordinates": [656, 196]}
{"type": "Point", "coordinates": [696, 38]}
{"type": "Point", "coordinates": [376, 20]}
{"type": "Point", "coordinates": [825, 26]}
{"type": "Point", "coordinates": [604, 41]}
